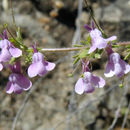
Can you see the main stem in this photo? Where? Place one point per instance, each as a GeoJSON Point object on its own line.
{"type": "Point", "coordinates": [63, 49]}
{"type": "Point", "coordinates": [76, 48]}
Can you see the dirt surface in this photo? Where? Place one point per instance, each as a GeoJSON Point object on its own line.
{"type": "Point", "coordinates": [53, 104]}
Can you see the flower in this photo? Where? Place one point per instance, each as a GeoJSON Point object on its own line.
{"type": "Point", "coordinates": [39, 66]}
{"type": "Point", "coordinates": [116, 66]}
{"type": "Point", "coordinates": [17, 81]}
{"type": "Point", "coordinates": [7, 49]}
{"type": "Point", "coordinates": [1, 66]}
{"type": "Point", "coordinates": [96, 38]}
{"type": "Point", "coordinates": [88, 83]}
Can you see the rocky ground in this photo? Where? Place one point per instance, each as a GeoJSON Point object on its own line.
{"type": "Point", "coordinates": [53, 104]}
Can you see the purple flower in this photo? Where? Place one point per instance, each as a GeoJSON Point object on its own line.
{"type": "Point", "coordinates": [116, 66]}
{"type": "Point", "coordinates": [39, 66]}
{"type": "Point", "coordinates": [96, 38]}
{"type": "Point", "coordinates": [17, 81]}
{"type": "Point", "coordinates": [7, 49]}
{"type": "Point", "coordinates": [88, 83]}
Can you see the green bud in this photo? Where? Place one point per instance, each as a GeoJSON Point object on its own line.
{"type": "Point", "coordinates": [121, 85]}
{"type": "Point", "coordinates": [70, 75]}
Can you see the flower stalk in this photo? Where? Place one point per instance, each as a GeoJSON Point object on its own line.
{"type": "Point", "coordinates": [76, 48]}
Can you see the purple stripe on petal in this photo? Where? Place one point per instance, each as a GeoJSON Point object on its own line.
{"type": "Point", "coordinates": [17, 88]}
{"type": "Point", "coordinates": [23, 82]}
{"type": "Point", "coordinates": [89, 88]}
{"type": "Point", "coordinates": [109, 71]}
{"type": "Point", "coordinates": [118, 70]}
{"type": "Point", "coordinates": [42, 73]}
{"type": "Point", "coordinates": [98, 81]}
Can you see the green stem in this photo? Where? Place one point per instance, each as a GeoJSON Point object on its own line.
{"type": "Point", "coordinates": [12, 14]}
{"type": "Point", "coordinates": [91, 14]}
{"type": "Point", "coordinates": [16, 40]}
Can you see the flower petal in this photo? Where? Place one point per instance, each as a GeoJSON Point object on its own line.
{"type": "Point", "coordinates": [44, 72]}
{"type": "Point", "coordinates": [49, 66]}
{"type": "Point", "coordinates": [101, 43]}
{"type": "Point", "coordinates": [5, 55]}
{"type": "Point", "coordinates": [79, 87]}
{"type": "Point", "coordinates": [15, 52]}
{"type": "Point", "coordinates": [109, 71]}
{"type": "Point", "coordinates": [9, 88]}
{"type": "Point", "coordinates": [35, 68]}
{"type": "Point", "coordinates": [89, 88]}
{"type": "Point", "coordinates": [4, 44]}
{"type": "Point", "coordinates": [23, 82]}
{"type": "Point", "coordinates": [1, 66]}
{"type": "Point", "coordinates": [118, 70]}
{"type": "Point", "coordinates": [92, 48]}
{"type": "Point", "coordinates": [125, 66]}
{"type": "Point", "coordinates": [37, 57]}
{"type": "Point", "coordinates": [111, 38]}
{"type": "Point", "coordinates": [98, 81]}
{"type": "Point", "coordinates": [17, 88]}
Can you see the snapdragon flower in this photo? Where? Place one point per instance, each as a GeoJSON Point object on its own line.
{"type": "Point", "coordinates": [7, 49]}
{"type": "Point", "coordinates": [115, 66]}
{"type": "Point", "coordinates": [1, 66]}
{"type": "Point", "coordinates": [39, 65]}
{"type": "Point", "coordinates": [97, 39]}
{"type": "Point", "coordinates": [88, 82]}
{"type": "Point", "coordinates": [17, 81]}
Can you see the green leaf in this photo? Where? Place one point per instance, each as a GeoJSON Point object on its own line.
{"type": "Point", "coordinates": [77, 55]}
{"type": "Point", "coordinates": [77, 45]}
{"type": "Point", "coordinates": [123, 110]}
{"type": "Point", "coordinates": [83, 42]}
{"type": "Point", "coordinates": [70, 75]}
{"type": "Point", "coordinates": [5, 25]}
{"type": "Point", "coordinates": [12, 60]}
{"type": "Point", "coordinates": [121, 85]}
{"type": "Point", "coordinates": [115, 46]}
{"type": "Point", "coordinates": [128, 46]}
{"type": "Point", "coordinates": [128, 50]}
{"type": "Point", "coordinates": [19, 36]}
{"type": "Point", "coordinates": [76, 60]}
{"type": "Point", "coordinates": [84, 53]}
{"type": "Point", "coordinates": [97, 55]}
{"type": "Point", "coordinates": [127, 56]}
{"type": "Point", "coordinates": [82, 76]}
{"type": "Point", "coordinates": [88, 39]}
{"type": "Point", "coordinates": [87, 42]}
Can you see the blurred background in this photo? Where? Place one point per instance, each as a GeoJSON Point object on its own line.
{"type": "Point", "coordinates": [52, 104]}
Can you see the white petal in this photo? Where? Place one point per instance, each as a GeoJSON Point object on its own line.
{"type": "Point", "coordinates": [79, 87]}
